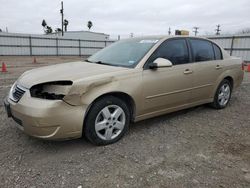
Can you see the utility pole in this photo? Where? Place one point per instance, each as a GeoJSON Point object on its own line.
{"type": "Point", "coordinates": [217, 29]}
{"type": "Point", "coordinates": [169, 31]}
{"type": "Point", "coordinates": [61, 11]}
{"type": "Point", "coordinates": [195, 30]}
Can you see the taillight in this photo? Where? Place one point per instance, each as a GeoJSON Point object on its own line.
{"type": "Point", "coordinates": [243, 65]}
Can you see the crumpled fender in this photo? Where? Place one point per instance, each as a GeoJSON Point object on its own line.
{"type": "Point", "coordinates": [80, 88]}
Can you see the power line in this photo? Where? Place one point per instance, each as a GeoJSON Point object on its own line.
{"type": "Point", "coordinates": [218, 29]}
{"type": "Point", "coordinates": [195, 30]}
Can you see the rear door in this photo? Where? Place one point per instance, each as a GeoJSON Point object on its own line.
{"type": "Point", "coordinates": [168, 87]}
{"type": "Point", "coordinates": [207, 68]}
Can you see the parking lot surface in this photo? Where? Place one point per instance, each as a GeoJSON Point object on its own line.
{"type": "Point", "coordinates": [197, 147]}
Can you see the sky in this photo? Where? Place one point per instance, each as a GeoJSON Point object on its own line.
{"type": "Point", "coordinates": [122, 17]}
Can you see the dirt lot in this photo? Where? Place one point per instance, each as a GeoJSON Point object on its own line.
{"type": "Point", "coordinates": [198, 147]}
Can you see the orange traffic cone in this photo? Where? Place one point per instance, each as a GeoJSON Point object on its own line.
{"type": "Point", "coordinates": [4, 68]}
{"type": "Point", "coordinates": [248, 68]}
{"type": "Point", "coordinates": [34, 60]}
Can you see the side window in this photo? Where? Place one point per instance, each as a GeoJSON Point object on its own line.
{"type": "Point", "coordinates": [174, 50]}
{"type": "Point", "coordinates": [217, 52]}
{"type": "Point", "coordinates": [202, 50]}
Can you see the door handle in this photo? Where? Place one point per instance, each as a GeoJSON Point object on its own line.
{"type": "Point", "coordinates": [188, 71]}
{"type": "Point", "coordinates": [218, 67]}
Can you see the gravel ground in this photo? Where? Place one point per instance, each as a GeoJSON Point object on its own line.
{"type": "Point", "coordinates": [198, 147]}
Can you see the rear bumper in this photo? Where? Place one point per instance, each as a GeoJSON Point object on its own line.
{"type": "Point", "coordinates": [239, 79]}
{"type": "Point", "coordinates": [46, 119]}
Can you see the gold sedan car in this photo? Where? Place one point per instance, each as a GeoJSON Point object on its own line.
{"type": "Point", "coordinates": [128, 81]}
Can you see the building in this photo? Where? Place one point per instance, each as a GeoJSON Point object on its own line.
{"type": "Point", "coordinates": [83, 35]}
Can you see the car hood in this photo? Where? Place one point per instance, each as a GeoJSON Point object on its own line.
{"type": "Point", "coordinates": [66, 71]}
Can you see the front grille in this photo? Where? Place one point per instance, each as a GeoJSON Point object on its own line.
{"type": "Point", "coordinates": [17, 93]}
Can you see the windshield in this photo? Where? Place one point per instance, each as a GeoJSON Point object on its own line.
{"type": "Point", "coordinates": [126, 53]}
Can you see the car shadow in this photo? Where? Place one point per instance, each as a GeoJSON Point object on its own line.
{"type": "Point", "coordinates": [134, 128]}
{"type": "Point", "coordinates": [166, 117]}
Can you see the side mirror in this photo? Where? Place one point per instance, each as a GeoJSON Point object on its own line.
{"type": "Point", "coordinates": [160, 63]}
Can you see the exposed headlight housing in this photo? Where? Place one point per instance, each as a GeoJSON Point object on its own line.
{"type": "Point", "coordinates": [51, 90]}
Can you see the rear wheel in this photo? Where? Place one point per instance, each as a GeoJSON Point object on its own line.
{"type": "Point", "coordinates": [107, 121]}
{"type": "Point", "coordinates": [222, 95]}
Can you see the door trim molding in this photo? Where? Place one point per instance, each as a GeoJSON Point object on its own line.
{"type": "Point", "coordinates": [172, 109]}
{"type": "Point", "coordinates": [178, 91]}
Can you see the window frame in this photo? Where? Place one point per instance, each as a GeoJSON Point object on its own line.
{"type": "Point", "coordinates": [201, 39]}
{"type": "Point", "coordinates": [147, 63]}
{"type": "Point", "coordinates": [221, 55]}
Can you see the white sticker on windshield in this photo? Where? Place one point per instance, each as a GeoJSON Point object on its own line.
{"type": "Point", "coordinates": [149, 41]}
{"type": "Point", "coordinates": [131, 62]}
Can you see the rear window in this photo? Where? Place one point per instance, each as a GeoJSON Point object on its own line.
{"type": "Point", "coordinates": [202, 50]}
{"type": "Point", "coordinates": [217, 52]}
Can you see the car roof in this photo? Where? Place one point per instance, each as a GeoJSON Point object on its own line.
{"type": "Point", "coordinates": [161, 37]}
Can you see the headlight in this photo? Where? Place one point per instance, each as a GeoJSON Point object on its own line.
{"type": "Point", "coordinates": [51, 90]}
{"type": "Point", "coordinates": [12, 89]}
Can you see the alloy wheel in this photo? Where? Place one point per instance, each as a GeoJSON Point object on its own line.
{"type": "Point", "coordinates": [224, 94]}
{"type": "Point", "coordinates": [110, 122]}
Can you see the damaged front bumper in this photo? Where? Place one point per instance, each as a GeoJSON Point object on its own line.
{"type": "Point", "coordinates": [46, 119]}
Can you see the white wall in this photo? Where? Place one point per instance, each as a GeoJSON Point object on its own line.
{"type": "Point", "coordinates": [24, 44]}
{"type": "Point", "coordinates": [84, 35]}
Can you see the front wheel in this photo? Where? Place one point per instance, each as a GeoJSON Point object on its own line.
{"type": "Point", "coordinates": [222, 95]}
{"type": "Point", "coordinates": [107, 121]}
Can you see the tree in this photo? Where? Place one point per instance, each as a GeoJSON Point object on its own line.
{"type": "Point", "coordinates": [244, 31]}
{"type": "Point", "coordinates": [47, 29]}
{"type": "Point", "coordinates": [65, 23]}
{"type": "Point", "coordinates": [44, 24]}
{"type": "Point", "coordinates": [89, 25]}
{"type": "Point", "coordinates": [58, 30]}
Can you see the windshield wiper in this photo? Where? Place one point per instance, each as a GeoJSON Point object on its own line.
{"type": "Point", "coordinates": [88, 61]}
{"type": "Point", "coordinates": [97, 62]}
{"type": "Point", "coordinates": [101, 62]}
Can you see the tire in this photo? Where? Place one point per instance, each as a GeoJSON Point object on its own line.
{"type": "Point", "coordinates": [107, 121]}
{"type": "Point", "coordinates": [222, 95]}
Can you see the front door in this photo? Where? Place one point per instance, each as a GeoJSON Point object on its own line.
{"type": "Point", "coordinates": [168, 87]}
